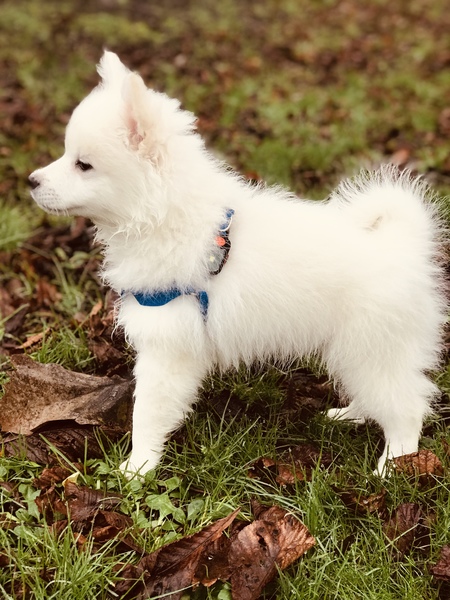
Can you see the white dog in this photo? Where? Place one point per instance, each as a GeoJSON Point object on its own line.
{"type": "Point", "coordinates": [355, 279]}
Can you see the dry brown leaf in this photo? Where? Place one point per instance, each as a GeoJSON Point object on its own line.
{"type": "Point", "coordinates": [72, 442]}
{"type": "Point", "coordinates": [446, 447]}
{"type": "Point", "coordinates": [52, 475]}
{"type": "Point", "coordinates": [14, 322]}
{"type": "Point", "coordinates": [90, 511]}
{"type": "Point", "coordinates": [46, 294]}
{"type": "Point", "coordinates": [250, 557]}
{"type": "Point", "coordinates": [16, 500]}
{"type": "Point", "coordinates": [109, 355]}
{"type": "Point", "coordinates": [441, 570]}
{"type": "Point", "coordinates": [5, 560]}
{"type": "Point", "coordinates": [39, 394]}
{"type": "Point", "coordinates": [407, 527]}
{"type": "Point", "coordinates": [96, 308]}
{"type": "Point", "coordinates": [49, 503]}
{"type": "Point", "coordinates": [171, 568]}
{"type": "Point", "coordinates": [85, 503]}
{"type": "Point", "coordinates": [296, 464]}
{"type": "Point", "coordinates": [423, 464]}
{"type": "Point", "coordinates": [214, 563]}
{"type": "Point", "coordinates": [6, 303]}
{"type": "Point", "coordinates": [274, 540]}
{"type": "Point", "coordinates": [31, 340]}
{"type": "Point", "coordinates": [374, 503]}
{"type": "Point", "coordinates": [261, 467]}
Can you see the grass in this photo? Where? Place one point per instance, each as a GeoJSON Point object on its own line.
{"type": "Point", "coordinates": [298, 93]}
{"type": "Point", "coordinates": [204, 481]}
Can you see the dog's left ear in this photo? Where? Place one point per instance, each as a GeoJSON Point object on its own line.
{"type": "Point", "coordinates": [111, 69]}
{"type": "Point", "coordinates": [152, 119]}
{"type": "Point", "coordinates": [136, 113]}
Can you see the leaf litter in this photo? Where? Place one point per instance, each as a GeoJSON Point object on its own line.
{"type": "Point", "coordinates": [441, 570]}
{"type": "Point", "coordinates": [249, 558]}
{"type": "Point", "coordinates": [47, 405]}
{"type": "Point", "coordinates": [248, 555]}
{"type": "Point", "coordinates": [39, 394]}
{"type": "Point", "coordinates": [295, 464]}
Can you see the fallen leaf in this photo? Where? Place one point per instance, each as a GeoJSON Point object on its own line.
{"type": "Point", "coordinates": [96, 308]}
{"type": "Point", "coordinates": [275, 540]}
{"type": "Point", "coordinates": [407, 527]}
{"type": "Point", "coordinates": [14, 322]}
{"type": "Point", "coordinates": [360, 504]}
{"type": "Point", "coordinates": [301, 460]}
{"type": "Point", "coordinates": [262, 467]}
{"type": "Point", "coordinates": [172, 568]}
{"type": "Point", "coordinates": [84, 502]}
{"type": "Point", "coordinates": [401, 156]}
{"type": "Point", "coordinates": [52, 475]}
{"type": "Point", "coordinates": [13, 499]}
{"type": "Point", "coordinates": [72, 442]}
{"type": "Point", "coordinates": [6, 303]}
{"type": "Point", "coordinates": [214, 563]}
{"type": "Point", "coordinates": [441, 570]}
{"type": "Point", "coordinates": [32, 339]}
{"type": "Point", "coordinates": [306, 394]}
{"type": "Point", "coordinates": [5, 560]}
{"type": "Point", "coordinates": [38, 394]}
{"type": "Point", "coordinates": [110, 357]}
{"type": "Point", "coordinates": [446, 447]}
{"type": "Point", "coordinates": [46, 294]}
{"type": "Point", "coordinates": [296, 464]}
{"type": "Point", "coordinates": [424, 465]}
{"type": "Point", "coordinates": [132, 583]}
{"type": "Point", "coordinates": [50, 504]}
{"type": "Point", "coordinates": [89, 511]}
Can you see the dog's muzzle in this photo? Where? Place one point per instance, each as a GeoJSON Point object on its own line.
{"type": "Point", "coordinates": [33, 181]}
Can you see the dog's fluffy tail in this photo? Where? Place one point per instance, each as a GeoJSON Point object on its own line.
{"type": "Point", "coordinates": [391, 201]}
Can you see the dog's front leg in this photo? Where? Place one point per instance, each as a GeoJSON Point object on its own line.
{"type": "Point", "coordinates": [166, 387]}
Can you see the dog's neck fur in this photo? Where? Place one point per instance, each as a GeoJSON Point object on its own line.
{"type": "Point", "coordinates": [160, 252]}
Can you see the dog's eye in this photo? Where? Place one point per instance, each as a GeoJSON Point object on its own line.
{"type": "Point", "coordinates": [83, 166]}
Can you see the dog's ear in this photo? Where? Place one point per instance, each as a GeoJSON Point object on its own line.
{"type": "Point", "coordinates": [152, 119]}
{"type": "Point", "coordinates": [111, 69]}
{"type": "Point", "coordinates": [137, 115]}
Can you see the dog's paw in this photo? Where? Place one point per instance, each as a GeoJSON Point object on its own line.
{"type": "Point", "coordinates": [385, 468]}
{"type": "Point", "coordinates": [135, 467]}
{"type": "Point", "coordinates": [344, 414]}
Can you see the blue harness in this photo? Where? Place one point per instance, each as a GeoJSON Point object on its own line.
{"type": "Point", "coordinates": [217, 261]}
{"type": "Point", "coordinates": [161, 298]}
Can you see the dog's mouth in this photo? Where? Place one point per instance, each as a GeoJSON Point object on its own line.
{"type": "Point", "coordinates": [49, 208]}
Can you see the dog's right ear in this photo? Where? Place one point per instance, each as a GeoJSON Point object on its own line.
{"type": "Point", "coordinates": [111, 69]}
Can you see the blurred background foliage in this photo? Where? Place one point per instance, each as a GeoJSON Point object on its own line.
{"type": "Point", "coordinates": [298, 92]}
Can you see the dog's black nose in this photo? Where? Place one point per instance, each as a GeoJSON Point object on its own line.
{"type": "Point", "coordinates": [33, 181]}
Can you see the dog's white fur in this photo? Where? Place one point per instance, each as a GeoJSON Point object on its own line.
{"type": "Point", "coordinates": [355, 279]}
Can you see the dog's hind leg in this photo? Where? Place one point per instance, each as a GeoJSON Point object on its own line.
{"type": "Point", "coordinates": [398, 405]}
{"type": "Point", "coordinates": [402, 435]}
{"type": "Point", "coordinates": [383, 375]}
{"type": "Point", "coordinates": [402, 424]}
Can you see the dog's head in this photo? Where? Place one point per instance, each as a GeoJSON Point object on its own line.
{"type": "Point", "coordinates": [121, 143]}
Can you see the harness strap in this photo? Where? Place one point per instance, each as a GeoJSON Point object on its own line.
{"type": "Point", "coordinates": [162, 298]}
{"type": "Point", "coordinates": [217, 260]}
